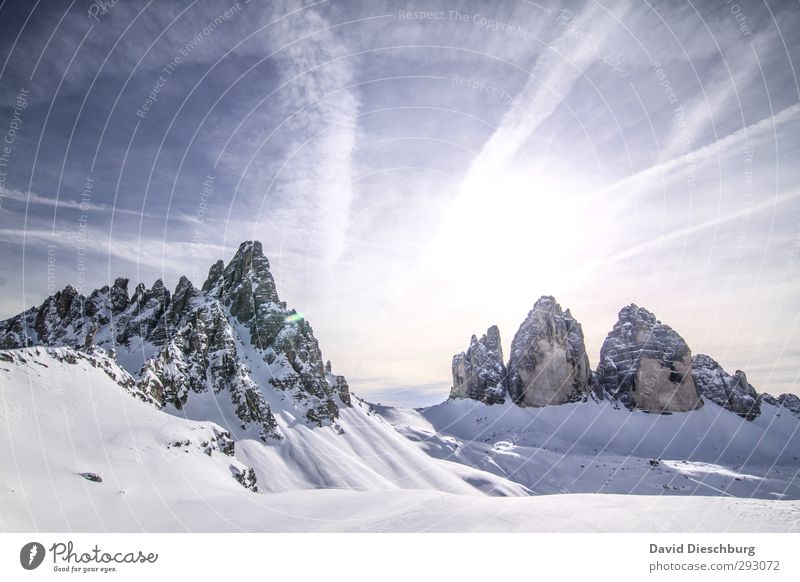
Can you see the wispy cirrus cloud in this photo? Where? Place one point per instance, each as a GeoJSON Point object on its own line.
{"type": "Point", "coordinates": [32, 198]}
{"type": "Point", "coordinates": [537, 141]}
{"type": "Point", "coordinates": [554, 74]}
{"type": "Point", "coordinates": [746, 136]}
{"type": "Point", "coordinates": [293, 149]}
{"type": "Point", "coordinates": [126, 253]}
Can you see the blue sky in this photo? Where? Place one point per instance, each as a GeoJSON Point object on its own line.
{"type": "Point", "coordinates": [417, 171]}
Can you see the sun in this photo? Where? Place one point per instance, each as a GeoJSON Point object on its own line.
{"type": "Point", "coordinates": [520, 220]}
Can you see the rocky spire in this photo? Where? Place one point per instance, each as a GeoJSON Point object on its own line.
{"type": "Point", "coordinates": [60, 318]}
{"type": "Point", "coordinates": [118, 296]}
{"type": "Point", "coordinates": [731, 392]}
{"type": "Point", "coordinates": [647, 365]}
{"type": "Point", "coordinates": [157, 295]}
{"type": "Point", "coordinates": [176, 313]}
{"type": "Point", "coordinates": [214, 278]}
{"type": "Point", "coordinates": [548, 362]}
{"type": "Point", "coordinates": [479, 373]}
{"type": "Point", "coordinates": [184, 293]}
{"type": "Point", "coordinates": [245, 283]}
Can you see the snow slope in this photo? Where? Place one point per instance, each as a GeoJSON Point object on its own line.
{"type": "Point", "coordinates": [360, 450]}
{"type": "Point", "coordinates": [65, 413]}
{"type": "Point", "coordinates": [328, 510]}
{"type": "Point", "coordinates": [594, 447]}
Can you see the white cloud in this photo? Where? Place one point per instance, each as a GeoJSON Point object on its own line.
{"type": "Point", "coordinates": [555, 73]}
{"type": "Point", "coordinates": [745, 136]}
{"type": "Point", "coordinates": [68, 204]}
{"type": "Point", "coordinates": [308, 125]}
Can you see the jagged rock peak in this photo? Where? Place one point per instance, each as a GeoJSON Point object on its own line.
{"type": "Point", "coordinates": [233, 342]}
{"type": "Point", "coordinates": [214, 275]}
{"type": "Point", "coordinates": [249, 261]}
{"type": "Point", "coordinates": [548, 362]}
{"type": "Point", "coordinates": [245, 283]}
{"type": "Point", "coordinates": [479, 373]}
{"type": "Point", "coordinates": [65, 299]}
{"type": "Point", "coordinates": [183, 285]}
{"type": "Point", "coordinates": [158, 296]}
{"type": "Point", "coordinates": [248, 258]}
{"type": "Point", "coordinates": [246, 288]}
{"type": "Point", "coordinates": [138, 292]}
{"type": "Point", "coordinates": [732, 392]}
{"type": "Point", "coordinates": [118, 295]}
{"type": "Point", "coordinates": [223, 350]}
{"type": "Point", "coordinates": [646, 364]}
{"type": "Point", "coordinates": [633, 313]}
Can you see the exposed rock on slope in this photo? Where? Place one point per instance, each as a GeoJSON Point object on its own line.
{"type": "Point", "coordinates": [87, 427]}
{"type": "Point", "coordinates": [548, 362]}
{"type": "Point", "coordinates": [647, 365]}
{"type": "Point", "coordinates": [790, 402]}
{"type": "Point", "coordinates": [94, 357]}
{"type": "Point", "coordinates": [479, 373]}
{"type": "Point", "coordinates": [731, 392]}
{"type": "Point", "coordinates": [208, 352]}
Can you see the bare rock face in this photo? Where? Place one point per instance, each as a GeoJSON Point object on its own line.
{"type": "Point", "coordinates": [647, 365]}
{"type": "Point", "coordinates": [733, 393]}
{"type": "Point", "coordinates": [479, 373]}
{"type": "Point", "coordinates": [548, 362]}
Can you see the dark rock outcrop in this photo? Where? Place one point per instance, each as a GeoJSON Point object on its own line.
{"type": "Point", "coordinates": [731, 392]}
{"type": "Point", "coordinates": [548, 362]}
{"type": "Point", "coordinates": [246, 477]}
{"type": "Point", "coordinates": [647, 365]}
{"type": "Point", "coordinates": [479, 373]}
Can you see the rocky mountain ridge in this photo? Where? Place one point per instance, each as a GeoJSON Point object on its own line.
{"type": "Point", "coordinates": [232, 356]}
{"type": "Point", "coordinates": [208, 353]}
{"type": "Point", "coordinates": [644, 365]}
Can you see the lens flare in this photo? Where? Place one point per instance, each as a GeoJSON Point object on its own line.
{"type": "Point", "coordinates": [294, 317]}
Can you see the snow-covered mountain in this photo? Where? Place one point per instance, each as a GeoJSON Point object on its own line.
{"type": "Point", "coordinates": [175, 410]}
{"type": "Point", "coordinates": [96, 398]}
{"type": "Point", "coordinates": [651, 419]}
{"type": "Point", "coordinates": [71, 417]}
{"type": "Point", "coordinates": [207, 353]}
{"type": "Point", "coordinates": [598, 447]}
{"type": "Point", "coordinates": [84, 449]}
{"type": "Point", "coordinates": [222, 371]}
